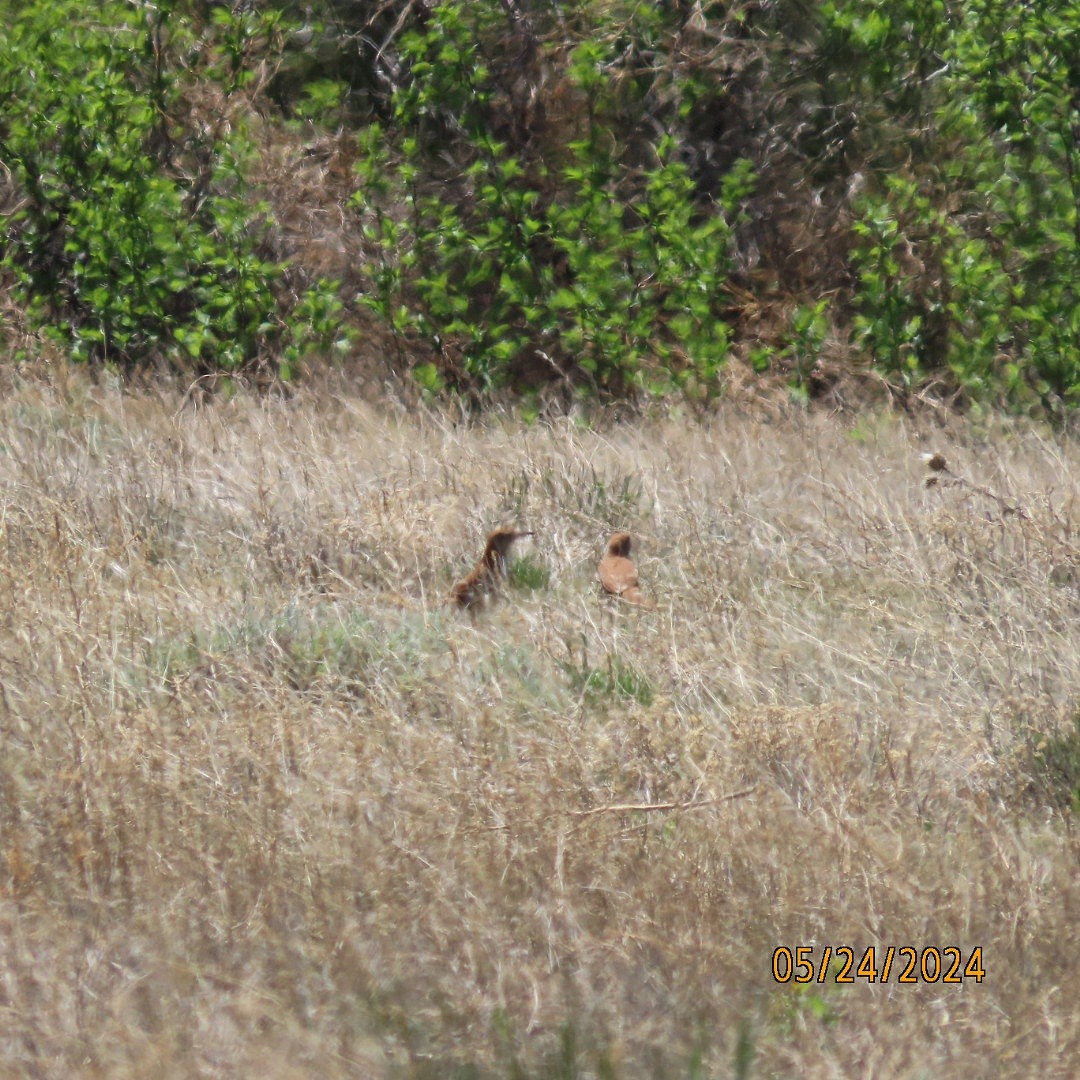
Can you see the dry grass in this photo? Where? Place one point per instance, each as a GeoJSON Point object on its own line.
{"type": "Point", "coordinates": [269, 807]}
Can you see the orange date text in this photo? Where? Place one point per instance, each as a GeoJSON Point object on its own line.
{"type": "Point", "coordinates": [877, 964]}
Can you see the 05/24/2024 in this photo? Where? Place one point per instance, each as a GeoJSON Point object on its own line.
{"type": "Point", "coordinates": [903, 964]}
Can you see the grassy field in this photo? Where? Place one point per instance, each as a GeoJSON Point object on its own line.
{"type": "Point", "coordinates": [269, 808]}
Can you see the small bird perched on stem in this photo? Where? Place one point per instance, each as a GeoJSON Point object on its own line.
{"type": "Point", "coordinates": [618, 574]}
{"type": "Point", "coordinates": [489, 571]}
{"type": "Point", "coordinates": [936, 463]}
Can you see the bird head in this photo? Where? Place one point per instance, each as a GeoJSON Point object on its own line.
{"type": "Point", "coordinates": [500, 541]}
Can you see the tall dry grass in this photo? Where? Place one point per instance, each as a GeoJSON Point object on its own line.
{"type": "Point", "coordinates": [269, 808]}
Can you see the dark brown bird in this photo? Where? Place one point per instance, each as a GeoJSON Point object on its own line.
{"type": "Point", "coordinates": [618, 574]}
{"type": "Point", "coordinates": [936, 463]}
{"type": "Point", "coordinates": [489, 571]}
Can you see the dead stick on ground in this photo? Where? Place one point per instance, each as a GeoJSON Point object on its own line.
{"type": "Point", "coordinates": [616, 808]}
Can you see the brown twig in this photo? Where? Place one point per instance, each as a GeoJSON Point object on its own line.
{"type": "Point", "coordinates": [693, 804]}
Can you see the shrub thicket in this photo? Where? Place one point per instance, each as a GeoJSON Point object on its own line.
{"type": "Point", "coordinates": [604, 195]}
{"type": "Point", "coordinates": [966, 257]}
{"type": "Point", "coordinates": [137, 236]}
{"type": "Point", "coordinates": [511, 255]}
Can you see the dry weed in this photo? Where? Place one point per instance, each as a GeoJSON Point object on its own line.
{"type": "Point", "coordinates": [269, 807]}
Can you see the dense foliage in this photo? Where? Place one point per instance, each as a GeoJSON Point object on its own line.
{"type": "Point", "coordinates": [612, 196]}
{"type": "Point", "coordinates": [967, 256]}
{"type": "Point", "coordinates": [514, 258]}
{"type": "Point", "coordinates": [136, 236]}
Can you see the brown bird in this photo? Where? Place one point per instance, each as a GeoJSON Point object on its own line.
{"type": "Point", "coordinates": [489, 571]}
{"type": "Point", "coordinates": [936, 463]}
{"type": "Point", "coordinates": [618, 574]}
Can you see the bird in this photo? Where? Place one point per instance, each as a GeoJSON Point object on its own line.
{"type": "Point", "coordinates": [618, 574]}
{"type": "Point", "coordinates": [936, 463]}
{"type": "Point", "coordinates": [489, 571]}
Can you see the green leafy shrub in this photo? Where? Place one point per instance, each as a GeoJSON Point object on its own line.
{"type": "Point", "coordinates": [1021, 78]}
{"type": "Point", "coordinates": [136, 238]}
{"type": "Point", "coordinates": [535, 267]}
{"type": "Point", "coordinates": [1053, 752]}
{"type": "Point", "coordinates": [525, 573]}
{"type": "Point", "coordinates": [617, 680]}
{"type": "Point", "coordinates": [809, 326]}
{"type": "Point", "coordinates": [899, 303]}
{"type": "Point", "coordinates": [966, 260]}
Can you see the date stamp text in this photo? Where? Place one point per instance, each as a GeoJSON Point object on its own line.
{"type": "Point", "coordinates": [903, 964]}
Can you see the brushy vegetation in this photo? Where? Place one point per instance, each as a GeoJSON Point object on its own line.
{"type": "Point", "coordinates": [269, 806]}
{"type": "Point", "coordinates": [136, 236]}
{"type": "Point", "coordinates": [609, 198]}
